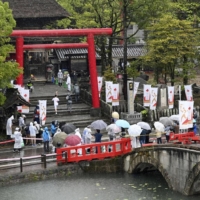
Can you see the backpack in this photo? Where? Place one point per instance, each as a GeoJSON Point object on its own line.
{"type": "Point", "coordinates": [27, 130]}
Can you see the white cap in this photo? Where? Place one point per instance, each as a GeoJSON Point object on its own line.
{"type": "Point", "coordinates": [31, 123]}
{"type": "Point", "coordinates": [59, 70]}
{"type": "Point", "coordinates": [23, 116]}
{"type": "Point", "coordinates": [16, 128]}
{"type": "Point", "coordinates": [35, 122]}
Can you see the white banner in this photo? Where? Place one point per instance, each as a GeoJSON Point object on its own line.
{"type": "Point", "coordinates": [99, 80]}
{"type": "Point", "coordinates": [135, 89]}
{"type": "Point", "coordinates": [153, 98]}
{"type": "Point", "coordinates": [186, 114]}
{"type": "Point", "coordinates": [25, 94]}
{"type": "Point", "coordinates": [115, 94]}
{"type": "Point", "coordinates": [188, 92]}
{"type": "Point", "coordinates": [170, 96]}
{"type": "Point", "coordinates": [43, 111]}
{"type": "Point", "coordinates": [108, 91]}
{"type": "Point", "coordinates": [146, 95]}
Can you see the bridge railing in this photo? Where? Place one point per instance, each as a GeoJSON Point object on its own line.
{"type": "Point", "coordinates": [93, 151]}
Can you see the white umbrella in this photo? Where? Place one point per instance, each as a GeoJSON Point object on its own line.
{"type": "Point", "coordinates": [134, 130]}
{"type": "Point", "coordinates": [174, 117]}
{"type": "Point", "coordinates": [144, 125]}
{"type": "Point", "coordinates": [98, 124]}
{"type": "Point", "coordinates": [113, 128]}
{"type": "Point", "coordinates": [159, 126]}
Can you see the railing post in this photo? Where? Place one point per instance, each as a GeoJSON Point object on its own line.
{"type": "Point", "coordinates": [43, 159]}
{"type": "Point", "coordinates": [65, 156]}
{"type": "Point", "coordinates": [21, 165]}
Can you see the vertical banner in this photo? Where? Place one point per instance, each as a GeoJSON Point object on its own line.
{"type": "Point", "coordinates": [108, 85]}
{"type": "Point", "coordinates": [186, 114]}
{"type": "Point", "coordinates": [153, 98]}
{"type": "Point", "coordinates": [146, 95]}
{"type": "Point", "coordinates": [188, 92]}
{"type": "Point", "coordinates": [43, 111]}
{"type": "Point", "coordinates": [170, 96]}
{"type": "Point", "coordinates": [115, 94]}
{"type": "Point", "coordinates": [99, 81]}
{"type": "Point", "coordinates": [25, 95]}
{"type": "Point", "coordinates": [136, 85]}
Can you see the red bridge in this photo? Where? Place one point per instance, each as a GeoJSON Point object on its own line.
{"type": "Point", "coordinates": [93, 151]}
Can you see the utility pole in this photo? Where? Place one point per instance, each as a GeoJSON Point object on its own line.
{"type": "Point", "coordinates": [125, 49]}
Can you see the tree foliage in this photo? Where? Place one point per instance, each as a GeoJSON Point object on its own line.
{"type": "Point", "coordinates": [171, 44]}
{"type": "Point", "coordinates": [109, 14]}
{"type": "Point", "coordinates": [8, 70]}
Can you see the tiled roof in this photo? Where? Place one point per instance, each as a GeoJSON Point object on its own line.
{"type": "Point", "coordinates": [36, 9]}
{"type": "Point", "coordinates": [133, 51]}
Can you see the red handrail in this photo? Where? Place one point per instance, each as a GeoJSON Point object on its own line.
{"type": "Point", "coordinates": [97, 151]}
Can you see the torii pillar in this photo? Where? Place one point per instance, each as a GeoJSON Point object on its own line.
{"type": "Point", "coordinates": [90, 33]}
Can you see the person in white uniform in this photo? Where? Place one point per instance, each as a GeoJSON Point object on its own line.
{"type": "Point", "coordinates": [9, 127]}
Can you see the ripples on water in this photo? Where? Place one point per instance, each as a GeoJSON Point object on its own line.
{"type": "Point", "coordinates": [96, 187]}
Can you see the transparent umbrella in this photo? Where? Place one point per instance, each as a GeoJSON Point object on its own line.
{"type": "Point", "coordinates": [166, 121]}
{"type": "Point", "coordinates": [159, 126]}
{"type": "Point", "coordinates": [174, 117]}
{"type": "Point", "coordinates": [114, 128]}
{"type": "Point", "coordinates": [134, 130]}
{"type": "Point", "coordinates": [144, 125]}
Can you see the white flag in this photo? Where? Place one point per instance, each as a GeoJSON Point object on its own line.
{"type": "Point", "coordinates": [136, 85]}
{"type": "Point", "coordinates": [153, 98]}
{"type": "Point", "coordinates": [99, 80]}
{"type": "Point", "coordinates": [146, 95]}
{"type": "Point", "coordinates": [186, 114]}
{"type": "Point", "coordinates": [170, 96]}
{"type": "Point", "coordinates": [43, 111]}
{"type": "Point", "coordinates": [108, 91]}
{"type": "Point", "coordinates": [188, 92]}
{"type": "Point", "coordinates": [115, 94]}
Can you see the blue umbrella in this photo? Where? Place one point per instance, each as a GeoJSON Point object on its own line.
{"type": "Point", "coordinates": [122, 123]}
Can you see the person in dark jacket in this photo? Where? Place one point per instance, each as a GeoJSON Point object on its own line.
{"type": "Point", "coordinates": [97, 137]}
{"type": "Point", "coordinates": [143, 135]}
{"type": "Point", "coordinates": [46, 139]}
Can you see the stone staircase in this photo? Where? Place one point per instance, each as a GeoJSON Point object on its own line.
{"type": "Point", "coordinates": [79, 116]}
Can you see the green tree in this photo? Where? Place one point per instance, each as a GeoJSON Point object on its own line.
{"type": "Point", "coordinates": [109, 14]}
{"type": "Point", "coordinates": [8, 70]}
{"type": "Point", "coordinates": [171, 44]}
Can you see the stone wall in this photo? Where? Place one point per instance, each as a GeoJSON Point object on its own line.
{"type": "Point", "coordinates": [97, 166]}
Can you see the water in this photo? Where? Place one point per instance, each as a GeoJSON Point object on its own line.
{"type": "Point", "coordinates": [98, 186]}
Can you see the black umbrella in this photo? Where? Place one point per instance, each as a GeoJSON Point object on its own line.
{"type": "Point", "coordinates": [68, 128]}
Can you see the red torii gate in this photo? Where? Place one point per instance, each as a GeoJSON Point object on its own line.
{"type": "Point", "coordinates": [89, 33]}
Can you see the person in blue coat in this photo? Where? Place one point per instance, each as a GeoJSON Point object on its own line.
{"type": "Point", "coordinates": [53, 128]}
{"type": "Point", "coordinates": [46, 139]}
